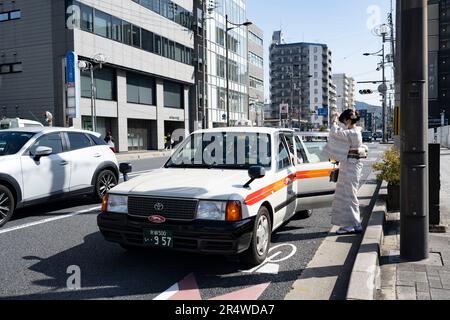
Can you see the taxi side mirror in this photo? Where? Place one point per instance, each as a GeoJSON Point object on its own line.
{"type": "Point", "coordinates": [255, 172]}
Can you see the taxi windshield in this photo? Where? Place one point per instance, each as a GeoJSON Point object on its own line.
{"type": "Point", "coordinates": [12, 142]}
{"type": "Point", "coordinates": [223, 150]}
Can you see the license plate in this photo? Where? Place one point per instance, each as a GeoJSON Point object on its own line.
{"type": "Point", "coordinates": [158, 238]}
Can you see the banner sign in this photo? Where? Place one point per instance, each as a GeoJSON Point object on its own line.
{"type": "Point", "coordinates": [72, 85]}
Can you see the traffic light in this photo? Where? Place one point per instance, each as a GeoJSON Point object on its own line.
{"type": "Point", "coordinates": [365, 92]}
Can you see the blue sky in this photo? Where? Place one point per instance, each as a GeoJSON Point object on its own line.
{"type": "Point", "coordinates": [341, 24]}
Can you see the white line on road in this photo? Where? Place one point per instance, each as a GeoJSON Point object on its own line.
{"type": "Point", "coordinates": [169, 293]}
{"type": "Point", "coordinates": [32, 224]}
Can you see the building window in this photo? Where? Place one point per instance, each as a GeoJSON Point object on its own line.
{"type": "Point", "coordinates": [14, 15]}
{"type": "Point", "coordinates": [256, 39]}
{"type": "Point", "coordinates": [11, 68]}
{"type": "Point", "coordinates": [105, 83]}
{"type": "Point", "coordinates": [11, 15]}
{"type": "Point", "coordinates": [116, 29]}
{"type": "Point", "coordinates": [147, 40]}
{"type": "Point", "coordinates": [111, 27]}
{"type": "Point", "coordinates": [126, 33]}
{"type": "Point", "coordinates": [102, 24]}
{"type": "Point", "coordinates": [173, 95]}
{"type": "Point", "coordinates": [140, 89]}
{"type": "Point", "coordinates": [256, 83]}
{"type": "Point", "coordinates": [256, 60]}
{"type": "Point", "coordinates": [158, 49]}
{"type": "Point", "coordinates": [87, 18]}
{"type": "Point", "coordinates": [136, 36]}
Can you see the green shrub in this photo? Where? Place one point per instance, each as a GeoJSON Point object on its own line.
{"type": "Point", "coordinates": [389, 167]}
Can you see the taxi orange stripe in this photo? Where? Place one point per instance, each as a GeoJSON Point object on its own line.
{"type": "Point", "coordinates": [265, 192]}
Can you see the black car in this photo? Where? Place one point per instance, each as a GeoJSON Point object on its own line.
{"type": "Point", "coordinates": [367, 136]}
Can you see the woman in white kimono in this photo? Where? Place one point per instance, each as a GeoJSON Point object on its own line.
{"type": "Point", "coordinates": [346, 213]}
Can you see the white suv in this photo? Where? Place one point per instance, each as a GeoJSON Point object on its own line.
{"type": "Point", "coordinates": [42, 164]}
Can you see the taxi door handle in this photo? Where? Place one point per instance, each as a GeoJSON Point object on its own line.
{"type": "Point", "coordinates": [64, 163]}
{"type": "Point", "coordinates": [98, 155]}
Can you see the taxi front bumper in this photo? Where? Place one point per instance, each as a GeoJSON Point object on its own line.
{"type": "Point", "coordinates": [208, 237]}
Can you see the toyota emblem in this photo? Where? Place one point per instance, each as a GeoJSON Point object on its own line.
{"type": "Point", "coordinates": [159, 206]}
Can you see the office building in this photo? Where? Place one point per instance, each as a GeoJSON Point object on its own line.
{"type": "Point", "coordinates": [300, 81]}
{"type": "Point", "coordinates": [142, 91]}
{"type": "Point", "coordinates": [211, 93]}
{"type": "Point", "coordinates": [438, 61]}
{"type": "Point", "coordinates": [256, 75]}
{"type": "Point", "coordinates": [345, 91]}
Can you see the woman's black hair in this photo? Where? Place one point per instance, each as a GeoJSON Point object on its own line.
{"type": "Point", "coordinates": [350, 114]}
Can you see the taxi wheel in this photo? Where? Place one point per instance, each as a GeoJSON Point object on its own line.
{"type": "Point", "coordinates": [305, 214]}
{"type": "Point", "coordinates": [262, 233]}
{"type": "Point", "coordinates": [6, 205]}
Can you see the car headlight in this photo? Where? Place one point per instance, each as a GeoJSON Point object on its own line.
{"type": "Point", "coordinates": [212, 210]}
{"type": "Point", "coordinates": [115, 203]}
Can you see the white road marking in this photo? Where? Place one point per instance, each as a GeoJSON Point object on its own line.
{"type": "Point", "coordinates": [270, 265]}
{"type": "Point", "coordinates": [169, 293]}
{"type": "Point", "coordinates": [139, 173]}
{"type": "Point", "coordinates": [32, 224]}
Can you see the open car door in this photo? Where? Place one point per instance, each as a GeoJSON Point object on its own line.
{"type": "Point", "coordinates": [314, 189]}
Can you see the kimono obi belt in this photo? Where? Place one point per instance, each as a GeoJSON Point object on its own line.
{"type": "Point", "coordinates": [357, 154]}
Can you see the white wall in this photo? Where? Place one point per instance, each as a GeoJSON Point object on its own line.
{"type": "Point", "coordinates": [442, 136]}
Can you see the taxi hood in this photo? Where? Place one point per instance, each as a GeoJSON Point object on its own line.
{"type": "Point", "coordinates": [186, 183]}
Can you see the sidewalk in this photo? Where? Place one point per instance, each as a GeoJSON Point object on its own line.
{"type": "Point", "coordinates": [328, 274]}
{"type": "Point", "coordinates": [140, 155]}
{"type": "Point", "coordinates": [425, 280]}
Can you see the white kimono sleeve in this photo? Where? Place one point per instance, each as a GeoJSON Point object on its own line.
{"type": "Point", "coordinates": [338, 145]}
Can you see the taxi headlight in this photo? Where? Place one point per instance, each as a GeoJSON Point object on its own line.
{"type": "Point", "coordinates": [117, 204]}
{"type": "Point", "coordinates": [212, 210]}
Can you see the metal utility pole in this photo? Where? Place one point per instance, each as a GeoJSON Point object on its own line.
{"type": "Point", "coordinates": [205, 54]}
{"type": "Point", "coordinates": [291, 107]}
{"type": "Point", "coordinates": [384, 90]}
{"type": "Point", "coordinates": [227, 73]}
{"type": "Point", "coordinates": [228, 29]}
{"type": "Point", "coordinates": [93, 95]}
{"type": "Point", "coordinates": [414, 130]}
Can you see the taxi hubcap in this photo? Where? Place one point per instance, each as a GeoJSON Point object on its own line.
{"type": "Point", "coordinates": [262, 235]}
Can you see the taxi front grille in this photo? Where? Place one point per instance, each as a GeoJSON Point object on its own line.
{"type": "Point", "coordinates": [171, 209]}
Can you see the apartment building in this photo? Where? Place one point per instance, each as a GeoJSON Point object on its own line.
{"type": "Point", "coordinates": [142, 90]}
{"type": "Point", "coordinates": [345, 91]}
{"type": "Point", "coordinates": [300, 77]}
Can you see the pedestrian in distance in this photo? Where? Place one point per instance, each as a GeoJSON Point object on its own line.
{"type": "Point", "coordinates": [110, 140]}
{"type": "Point", "coordinates": [345, 145]}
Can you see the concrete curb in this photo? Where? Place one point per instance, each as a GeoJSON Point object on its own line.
{"type": "Point", "coordinates": [142, 156]}
{"type": "Point", "coordinates": [365, 276]}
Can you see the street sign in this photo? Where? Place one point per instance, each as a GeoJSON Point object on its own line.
{"type": "Point", "coordinates": [72, 85]}
{"type": "Point", "coordinates": [323, 112]}
{"type": "Point", "coordinates": [284, 108]}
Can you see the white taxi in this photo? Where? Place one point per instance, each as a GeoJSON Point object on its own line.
{"type": "Point", "coordinates": [224, 191]}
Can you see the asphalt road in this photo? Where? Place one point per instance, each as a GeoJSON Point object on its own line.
{"type": "Point", "coordinates": [44, 245]}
